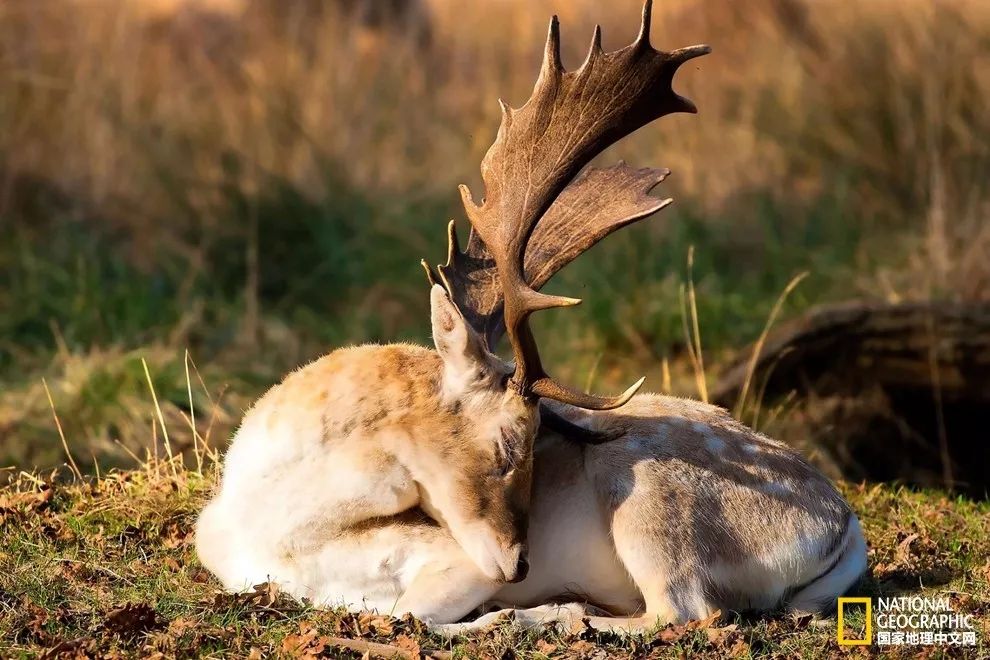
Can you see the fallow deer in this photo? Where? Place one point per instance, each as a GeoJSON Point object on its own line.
{"type": "Point", "coordinates": [435, 482]}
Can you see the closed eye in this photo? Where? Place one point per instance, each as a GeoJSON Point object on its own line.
{"type": "Point", "coordinates": [509, 446]}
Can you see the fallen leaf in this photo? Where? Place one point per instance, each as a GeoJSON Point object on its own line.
{"type": "Point", "coordinates": [903, 550]}
{"type": "Point", "coordinates": [371, 649]}
{"type": "Point", "coordinates": [545, 647]}
{"type": "Point", "coordinates": [38, 619]}
{"type": "Point", "coordinates": [408, 644]}
{"type": "Point", "coordinates": [739, 648]}
{"type": "Point", "coordinates": [672, 633]}
{"type": "Point", "coordinates": [719, 635]}
{"type": "Point", "coordinates": [581, 647]}
{"type": "Point", "coordinates": [176, 536]}
{"type": "Point", "coordinates": [376, 624]}
{"type": "Point", "coordinates": [264, 594]}
{"type": "Point", "coordinates": [81, 647]}
{"type": "Point", "coordinates": [262, 597]}
{"type": "Point", "coordinates": [26, 502]}
{"type": "Point", "coordinates": [701, 624]}
{"type": "Point", "coordinates": [201, 576]}
{"type": "Point", "coordinates": [306, 644]}
{"type": "Point", "coordinates": [180, 625]}
{"type": "Point", "coordinates": [131, 620]}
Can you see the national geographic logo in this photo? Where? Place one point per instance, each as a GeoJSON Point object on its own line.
{"type": "Point", "coordinates": [905, 621]}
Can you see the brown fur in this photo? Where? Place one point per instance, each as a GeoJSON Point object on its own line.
{"type": "Point", "coordinates": [411, 427]}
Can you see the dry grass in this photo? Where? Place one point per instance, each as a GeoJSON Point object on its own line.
{"type": "Point", "coordinates": [147, 115]}
{"type": "Point", "coordinates": [108, 413]}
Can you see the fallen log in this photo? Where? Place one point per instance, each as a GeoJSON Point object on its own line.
{"type": "Point", "coordinates": [923, 368]}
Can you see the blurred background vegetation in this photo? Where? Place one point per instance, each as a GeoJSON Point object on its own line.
{"type": "Point", "coordinates": [226, 189]}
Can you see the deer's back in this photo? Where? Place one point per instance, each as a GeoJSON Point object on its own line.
{"type": "Point", "coordinates": [352, 391]}
{"type": "Point", "coordinates": [316, 440]}
{"type": "Point", "coordinates": [723, 490]}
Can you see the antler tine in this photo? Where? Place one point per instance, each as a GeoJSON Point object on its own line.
{"type": "Point", "coordinates": [551, 52]}
{"type": "Point", "coordinates": [643, 38]}
{"type": "Point", "coordinates": [529, 176]}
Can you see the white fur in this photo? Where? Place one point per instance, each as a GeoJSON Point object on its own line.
{"type": "Point", "coordinates": [851, 565]}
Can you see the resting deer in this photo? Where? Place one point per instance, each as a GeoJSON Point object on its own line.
{"type": "Point", "coordinates": [402, 479]}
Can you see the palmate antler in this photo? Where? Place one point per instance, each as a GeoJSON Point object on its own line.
{"type": "Point", "coordinates": [531, 222]}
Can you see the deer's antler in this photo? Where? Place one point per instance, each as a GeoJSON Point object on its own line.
{"type": "Point", "coordinates": [531, 222]}
{"type": "Point", "coordinates": [596, 203]}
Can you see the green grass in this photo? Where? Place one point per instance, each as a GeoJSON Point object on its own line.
{"type": "Point", "coordinates": [82, 308]}
{"type": "Point", "coordinates": [108, 566]}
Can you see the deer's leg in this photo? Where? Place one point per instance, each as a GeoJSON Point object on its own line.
{"type": "Point", "coordinates": [565, 616]}
{"type": "Point", "coordinates": [407, 563]}
{"type": "Point", "coordinates": [446, 589]}
{"type": "Point", "coordinates": [664, 565]}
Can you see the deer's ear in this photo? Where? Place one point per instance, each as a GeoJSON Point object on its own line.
{"type": "Point", "coordinates": [458, 345]}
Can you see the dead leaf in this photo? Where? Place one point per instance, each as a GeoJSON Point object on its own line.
{"type": "Point", "coordinates": [262, 597]}
{"type": "Point", "coordinates": [37, 620]}
{"type": "Point", "coordinates": [408, 644]}
{"type": "Point", "coordinates": [25, 502]}
{"type": "Point", "coordinates": [176, 536]}
{"type": "Point", "coordinates": [672, 633]}
{"type": "Point", "coordinates": [306, 644]}
{"type": "Point", "coordinates": [178, 626]}
{"type": "Point", "coordinates": [81, 647]}
{"type": "Point", "coordinates": [903, 550]}
{"type": "Point", "coordinates": [719, 635]}
{"type": "Point", "coordinates": [372, 649]}
{"type": "Point", "coordinates": [411, 625]}
{"type": "Point", "coordinates": [202, 576]}
{"type": "Point", "coordinates": [375, 624]}
{"type": "Point", "coordinates": [139, 567]}
{"type": "Point", "coordinates": [264, 594]}
{"type": "Point", "coordinates": [581, 647]}
{"type": "Point", "coordinates": [701, 624]}
{"type": "Point", "coordinates": [739, 648]}
{"type": "Point", "coordinates": [545, 647]}
{"type": "Point", "coordinates": [131, 620]}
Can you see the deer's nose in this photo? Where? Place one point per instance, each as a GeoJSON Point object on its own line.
{"type": "Point", "coordinates": [522, 569]}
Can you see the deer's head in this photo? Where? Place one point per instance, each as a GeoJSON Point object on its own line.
{"type": "Point", "coordinates": [540, 212]}
{"type": "Point", "coordinates": [489, 439]}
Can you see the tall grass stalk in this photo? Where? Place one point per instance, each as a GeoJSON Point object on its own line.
{"type": "Point", "coordinates": [161, 417]}
{"type": "Point", "coordinates": [692, 329]}
{"type": "Point", "coordinates": [76, 473]}
{"type": "Point", "coordinates": [758, 347]}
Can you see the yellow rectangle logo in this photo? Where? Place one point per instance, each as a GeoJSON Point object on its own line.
{"type": "Point", "coordinates": [841, 632]}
